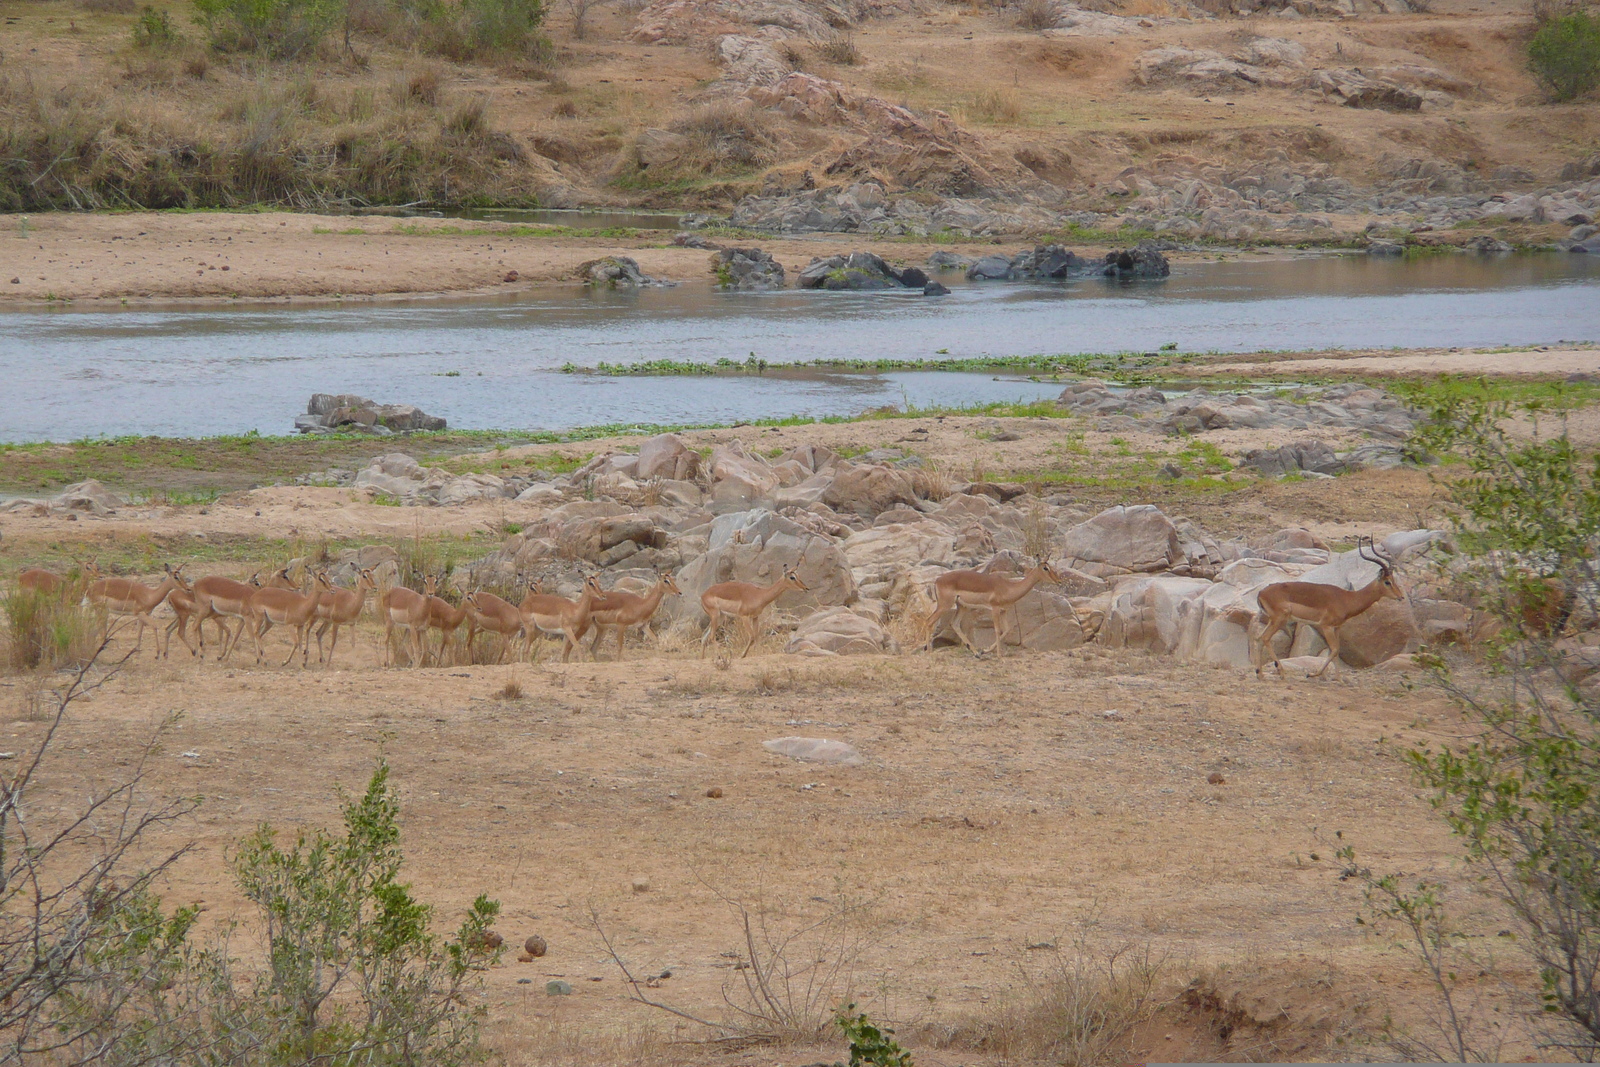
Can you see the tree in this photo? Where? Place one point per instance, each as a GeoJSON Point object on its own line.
{"type": "Point", "coordinates": [1524, 794]}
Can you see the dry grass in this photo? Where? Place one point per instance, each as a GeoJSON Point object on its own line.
{"type": "Point", "coordinates": [839, 48]}
{"type": "Point", "coordinates": [45, 632]}
{"type": "Point", "coordinates": [1036, 14]}
{"type": "Point", "coordinates": [932, 482]}
{"type": "Point", "coordinates": [1081, 1008]}
{"type": "Point", "coordinates": [995, 107]}
{"type": "Point", "coordinates": [81, 144]}
{"type": "Point", "coordinates": [727, 136]}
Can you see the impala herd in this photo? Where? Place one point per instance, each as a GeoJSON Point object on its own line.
{"type": "Point", "coordinates": [260, 604]}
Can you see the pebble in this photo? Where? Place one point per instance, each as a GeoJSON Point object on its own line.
{"type": "Point", "coordinates": [558, 988]}
{"type": "Point", "coordinates": [715, 792]}
{"type": "Point", "coordinates": [1215, 778]}
{"type": "Point", "coordinates": [641, 885]}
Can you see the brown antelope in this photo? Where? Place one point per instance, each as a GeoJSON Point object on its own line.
{"type": "Point", "coordinates": [340, 607]}
{"type": "Point", "coordinates": [184, 608]}
{"type": "Point", "coordinates": [219, 599]}
{"type": "Point", "coordinates": [272, 606]}
{"type": "Point", "coordinates": [619, 610]}
{"type": "Point", "coordinates": [447, 619]}
{"type": "Point", "coordinates": [746, 602]}
{"type": "Point", "coordinates": [544, 613]}
{"type": "Point", "coordinates": [491, 614]}
{"type": "Point", "coordinates": [407, 609]}
{"type": "Point", "coordinates": [1326, 607]}
{"type": "Point", "coordinates": [131, 599]}
{"type": "Point", "coordinates": [278, 579]}
{"type": "Point", "coordinates": [44, 582]}
{"type": "Point", "coordinates": [954, 590]}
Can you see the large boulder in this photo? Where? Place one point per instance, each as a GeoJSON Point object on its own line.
{"type": "Point", "coordinates": [1314, 456]}
{"type": "Point", "coordinates": [755, 546]}
{"type": "Point", "coordinates": [738, 478]}
{"type": "Point", "coordinates": [1136, 263]}
{"type": "Point", "coordinates": [395, 474]}
{"type": "Point", "coordinates": [1152, 613]}
{"type": "Point", "coordinates": [867, 489]}
{"type": "Point", "coordinates": [89, 497]}
{"type": "Point", "coordinates": [666, 456]}
{"type": "Point", "coordinates": [746, 269]}
{"type": "Point", "coordinates": [1135, 539]}
{"type": "Point", "coordinates": [614, 272]}
{"type": "Point", "coordinates": [857, 270]}
{"type": "Point", "coordinates": [839, 631]}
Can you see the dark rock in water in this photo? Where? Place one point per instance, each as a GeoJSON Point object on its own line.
{"type": "Point", "coordinates": [1385, 248]}
{"type": "Point", "coordinates": [1048, 261]}
{"type": "Point", "coordinates": [991, 269]}
{"type": "Point", "coordinates": [935, 289]}
{"type": "Point", "coordinates": [1136, 263]}
{"type": "Point", "coordinates": [346, 412]}
{"type": "Point", "coordinates": [856, 271]}
{"type": "Point", "coordinates": [747, 269]}
{"type": "Point", "coordinates": [1485, 245]}
{"type": "Point", "coordinates": [614, 272]}
{"type": "Point", "coordinates": [912, 278]}
{"type": "Point", "coordinates": [942, 260]}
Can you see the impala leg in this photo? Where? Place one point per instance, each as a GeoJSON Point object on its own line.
{"type": "Point", "coordinates": [1332, 639]}
{"type": "Point", "coordinates": [940, 609]}
{"type": "Point", "coordinates": [711, 631]}
{"type": "Point", "coordinates": [622, 635]}
{"type": "Point", "coordinates": [333, 643]}
{"type": "Point", "coordinates": [419, 648]}
{"type": "Point", "coordinates": [997, 619]}
{"type": "Point", "coordinates": [1273, 626]}
{"type": "Point", "coordinates": [753, 625]}
{"type": "Point", "coordinates": [181, 624]}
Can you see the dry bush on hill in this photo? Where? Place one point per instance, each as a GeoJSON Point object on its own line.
{"type": "Point", "coordinates": [839, 48]}
{"type": "Point", "coordinates": [1036, 14]}
{"type": "Point", "coordinates": [723, 137]}
{"type": "Point", "coordinates": [995, 106]}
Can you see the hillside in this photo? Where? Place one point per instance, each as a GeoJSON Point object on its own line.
{"type": "Point", "coordinates": [1283, 123]}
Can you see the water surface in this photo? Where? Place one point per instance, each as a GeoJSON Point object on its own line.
{"type": "Point", "coordinates": [494, 362]}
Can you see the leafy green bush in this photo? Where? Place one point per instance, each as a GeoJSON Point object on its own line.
{"type": "Point", "coordinates": [282, 29]}
{"type": "Point", "coordinates": [1565, 55]}
{"type": "Point", "coordinates": [870, 1044]}
{"type": "Point", "coordinates": [153, 29]}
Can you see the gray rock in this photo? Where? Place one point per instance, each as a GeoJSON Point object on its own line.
{"type": "Point", "coordinates": [1312, 456]}
{"type": "Point", "coordinates": [346, 411]}
{"type": "Point", "coordinates": [839, 631]}
{"type": "Point", "coordinates": [747, 269]}
{"type": "Point", "coordinates": [991, 269]}
{"type": "Point", "coordinates": [935, 289]}
{"type": "Point", "coordinates": [942, 260]}
{"type": "Point", "coordinates": [1484, 245]}
{"type": "Point", "coordinates": [558, 988]}
{"type": "Point", "coordinates": [1136, 263]}
{"type": "Point", "coordinates": [614, 272]}
{"type": "Point", "coordinates": [855, 271]}
{"type": "Point", "coordinates": [815, 750]}
{"type": "Point", "coordinates": [1385, 248]}
{"type": "Point", "coordinates": [87, 496]}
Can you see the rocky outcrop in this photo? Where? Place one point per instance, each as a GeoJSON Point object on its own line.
{"type": "Point", "coordinates": [1354, 89]}
{"type": "Point", "coordinates": [1124, 540]}
{"type": "Point", "coordinates": [348, 413]}
{"type": "Point", "coordinates": [1353, 407]}
{"type": "Point", "coordinates": [746, 269]}
{"type": "Point", "coordinates": [87, 497]}
{"type": "Point", "coordinates": [756, 546]}
{"type": "Point", "coordinates": [858, 270]}
{"type": "Point", "coordinates": [1136, 263]}
{"type": "Point", "coordinates": [401, 477]}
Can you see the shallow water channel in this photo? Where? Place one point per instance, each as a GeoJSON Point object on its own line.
{"type": "Point", "coordinates": [494, 362]}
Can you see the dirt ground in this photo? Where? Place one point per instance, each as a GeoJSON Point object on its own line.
{"type": "Point", "coordinates": [1008, 814]}
{"type": "Point", "coordinates": [1011, 817]}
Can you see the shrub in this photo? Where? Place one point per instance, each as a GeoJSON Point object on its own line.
{"type": "Point", "coordinates": [153, 29]}
{"type": "Point", "coordinates": [1565, 55]}
{"type": "Point", "coordinates": [282, 29]}
{"type": "Point", "coordinates": [726, 136]}
{"type": "Point", "coordinates": [1037, 14]}
{"type": "Point", "coordinates": [45, 632]}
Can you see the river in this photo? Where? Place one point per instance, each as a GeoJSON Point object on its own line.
{"type": "Point", "coordinates": [493, 363]}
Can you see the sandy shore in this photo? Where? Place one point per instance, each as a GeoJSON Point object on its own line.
{"type": "Point", "coordinates": [1537, 361]}
{"type": "Point", "coordinates": [221, 256]}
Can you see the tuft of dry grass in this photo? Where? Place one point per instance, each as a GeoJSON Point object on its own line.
{"type": "Point", "coordinates": [931, 482]}
{"type": "Point", "coordinates": [1037, 14]}
{"type": "Point", "coordinates": [995, 106]}
{"type": "Point", "coordinates": [724, 135]}
{"type": "Point", "coordinates": [44, 632]}
{"type": "Point", "coordinates": [512, 690]}
{"type": "Point", "coordinates": [839, 48]}
{"type": "Point", "coordinates": [1082, 1008]}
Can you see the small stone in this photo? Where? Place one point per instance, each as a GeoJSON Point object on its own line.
{"type": "Point", "coordinates": [715, 792]}
{"type": "Point", "coordinates": [16, 281]}
{"type": "Point", "coordinates": [935, 289]}
{"type": "Point", "coordinates": [1215, 778]}
{"type": "Point", "coordinates": [512, 275]}
{"type": "Point", "coordinates": [524, 981]}
{"type": "Point", "coordinates": [524, 958]}
{"type": "Point", "coordinates": [641, 885]}
{"type": "Point", "coordinates": [535, 946]}
{"type": "Point", "coordinates": [558, 988]}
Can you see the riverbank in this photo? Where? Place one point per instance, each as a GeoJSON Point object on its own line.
{"type": "Point", "coordinates": [223, 257]}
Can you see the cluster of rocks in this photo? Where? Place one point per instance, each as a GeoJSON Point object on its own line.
{"type": "Point", "coordinates": [348, 413]}
{"type": "Point", "coordinates": [865, 207]}
{"type": "Point", "coordinates": [1349, 407]}
{"type": "Point", "coordinates": [746, 269]}
{"type": "Point", "coordinates": [869, 535]}
{"type": "Point", "coordinates": [1054, 263]}
{"type": "Point", "coordinates": [864, 271]}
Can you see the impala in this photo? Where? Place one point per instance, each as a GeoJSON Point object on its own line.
{"type": "Point", "coordinates": [543, 613]}
{"type": "Point", "coordinates": [275, 606]}
{"type": "Point", "coordinates": [492, 614]}
{"type": "Point", "coordinates": [219, 599]}
{"type": "Point", "coordinates": [744, 601]}
{"type": "Point", "coordinates": [48, 583]}
{"type": "Point", "coordinates": [619, 610]}
{"type": "Point", "coordinates": [447, 619]}
{"type": "Point", "coordinates": [340, 607]}
{"type": "Point", "coordinates": [954, 590]}
{"type": "Point", "coordinates": [184, 608]}
{"type": "Point", "coordinates": [1326, 607]}
{"type": "Point", "coordinates": [131, 599]}
{"type": "Point", "coordinates": [408, 609]}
